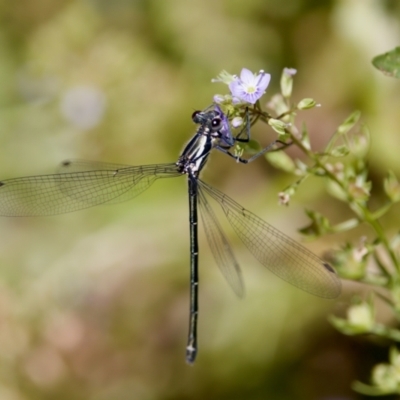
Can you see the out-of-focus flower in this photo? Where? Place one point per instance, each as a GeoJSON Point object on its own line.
{"type": "Point", "coordinates": [224, 77]}
{"type": "Point", "coordinates": [219, 98]}
{"type": "Point", "coordinates": [361, 250]}
{"type": "Point", "coordinates": [249, 87]}
{"type": "Point", "coordinates": [83, 106]}
{"type": "Point", "coordinates": [237, 121]}
{"type": "Point", "coordinates": [283, 199]}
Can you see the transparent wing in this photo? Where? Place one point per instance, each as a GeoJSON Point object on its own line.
{"type": "Point", "coordinates": [76, 165]}
{"type": "Point", "coordinates": [121, 183]}
{"type": "Point", "coordinates": [283, 256]}
{"type": "Point", "coordinates": [220, 246]}
{"type": "Point", "coordinates": [74, 189]}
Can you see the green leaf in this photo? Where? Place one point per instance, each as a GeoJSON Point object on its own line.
{"type": "Point", "coordinates": [388, 63]}
{"type": "Point", "coordinates": [360, 142]}
{"type": "Point", "coordinates": [280, 160]}
{"type": "Point", "coordinates": [340, 151]}
{"type": "Point", "coordinates": [392, 187]}
{"type": "Point", "coordinates": [369, 390]}
{"type": "Point", "coordinates": [346, 225]}
{"type": "Point", "coordinates": [306, 104]}
{"type": "Point", "coordinates": [278, 126]}
{"type": "Point", "coordinates": [335, 190]}
{"type": "Point", "coordinates": [252, 146]}
{"type": "Point", "coordinates": [305, 137]}
{"type": "Point", "coordinates": [349, 122]}
{"type": "Point", "coordinates": [318, 226]}
{"type": "Point", "coordinates": [394, 356]}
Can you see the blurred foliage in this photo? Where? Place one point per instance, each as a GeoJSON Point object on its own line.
{"type": "Point", "coordinates": [389, 63]}
{"type": "Point", "coordinates": [93, 305]}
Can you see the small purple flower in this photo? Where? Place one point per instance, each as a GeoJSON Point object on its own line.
{"type": "Point", "coordinates": [249, 87]}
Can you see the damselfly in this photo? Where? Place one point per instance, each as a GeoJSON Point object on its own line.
{"type": "Point", "coordinates": [82, 184]}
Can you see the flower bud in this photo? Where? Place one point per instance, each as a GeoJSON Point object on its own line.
{"type": "Point", "coordinates": [361, 317]}
{"type": "Point", "coordinates": [287, 81]}
{"type": "Point", "coordinates": [306, 104]}
{"type": "Point", "coordinates": [277, 125]}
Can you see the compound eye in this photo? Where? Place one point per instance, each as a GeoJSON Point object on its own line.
{"type": "Point", "coordinates": [195, 117]}
{"type": "Point", "coordinates": [216, 123]}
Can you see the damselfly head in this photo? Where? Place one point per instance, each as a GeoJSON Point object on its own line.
{"type": "Point", "coordinates": [196, 117]}
{"type": "Point", "coordinates": [214, 120]}
{"type": "Point", "coordinates": [216, 123]}
{"type": "Point", "coordinates": [211, 119]}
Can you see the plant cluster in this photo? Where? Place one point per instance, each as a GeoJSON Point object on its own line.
{"type": "Point", "coordinates": [343, 166]}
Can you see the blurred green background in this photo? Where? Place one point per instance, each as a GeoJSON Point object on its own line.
{"type": "Point", "coordinates": [94, 304]}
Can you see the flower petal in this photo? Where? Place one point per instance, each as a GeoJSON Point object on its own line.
{"type": "Point", "coordinates": [247, 77]}
{"type": "Point", "coordinates": [251, 97]}
{"type": "Point", "coordinates": [236, 87]}
{"type": "Point", "coordinates": [263, 81]}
